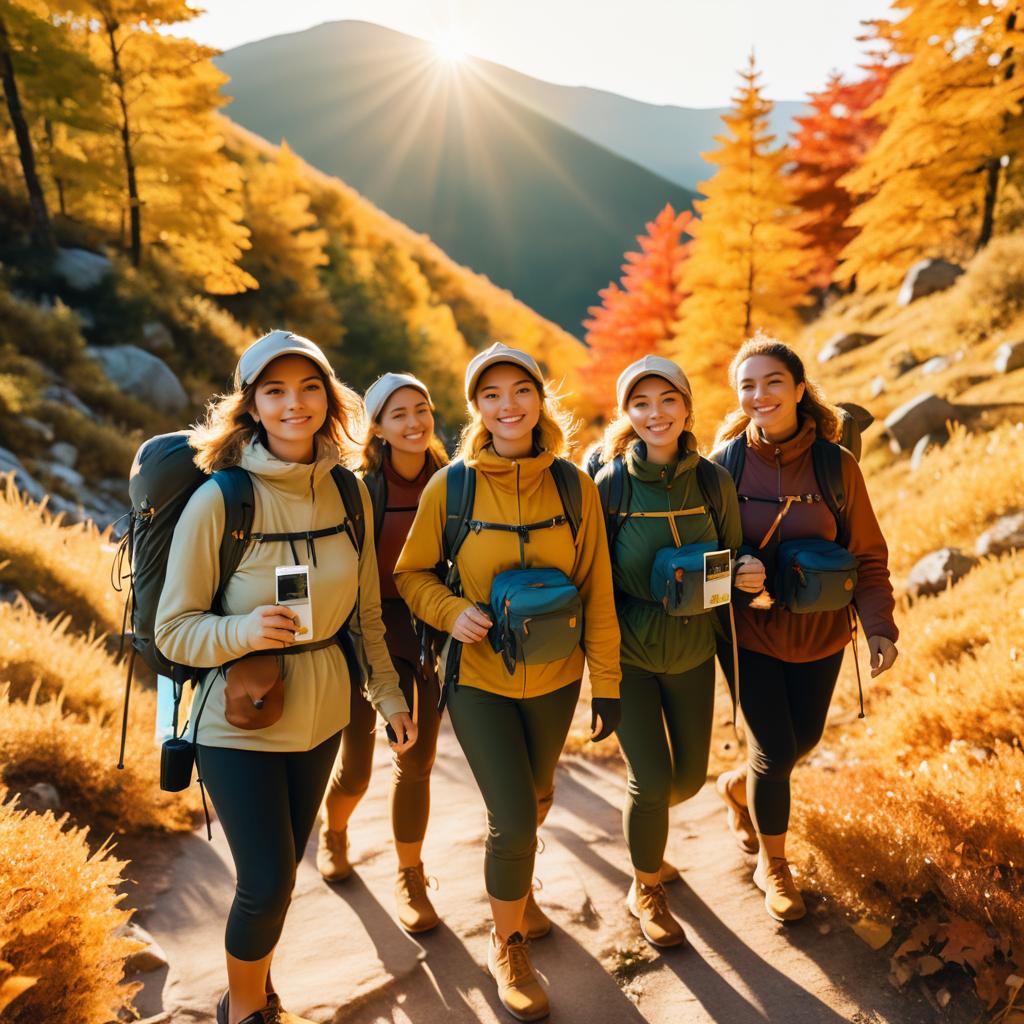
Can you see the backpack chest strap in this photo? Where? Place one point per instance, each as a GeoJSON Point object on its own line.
{"type": "Point", "coordinates": [522, 530]}
{"type": "Point", "coordinates": [787, 501]}
{"type": "Point", "coordinates": [309, 536]}
{"type": "Point", "coordinates": [671, 515]}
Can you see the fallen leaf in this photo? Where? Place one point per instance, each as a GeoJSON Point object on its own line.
{"type": "Point", "coordinates": [966, 943]}
{"type": "Point", "coordinates": [991, 982]}
{"type": "Point", "coordinates": [901, 973]}
{"type": "Point", "coordinates": [874, 933]}
{"type": "Point", "coordinates": [929, 965]}
{"type": "Point", "coordinates": [920, 936]}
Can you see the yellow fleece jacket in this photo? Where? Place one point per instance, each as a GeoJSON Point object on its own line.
{"type": "Point", "coordinates": [290, 497]}
{"type": "Point", "coordinates": [515, 491]}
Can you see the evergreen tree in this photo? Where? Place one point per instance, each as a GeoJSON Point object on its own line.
{"type": "Point", "coordinates": [636, 317]}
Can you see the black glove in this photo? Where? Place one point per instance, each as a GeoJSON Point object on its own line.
{"type": "Point", "coordinates": [610, 711]}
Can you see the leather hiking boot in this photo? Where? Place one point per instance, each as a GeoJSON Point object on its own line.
{"type": "Point", "coordinates": [741, 825]}
{"type": "Point", "coordinates": [782, 898]}
{"type": "Point", "coordinates": [332, 854]}
{"type": "Point", "coordinates": [519, 989]}
{"type": "Point", "coordinates": [536, 924]}
{"type": "Point", "coordinates": [649, 905]}
{"type": "Point", "coordinates": [270, 1014]}
{"type": "Point", "coordinates": [669, 873]}
{"type": "Point", "coordinates": [415, 911]}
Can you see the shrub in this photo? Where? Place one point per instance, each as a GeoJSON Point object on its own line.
{"type": "Point", "coordinates": [991, 294]}
{"type": "Point", "coordinates": [61, 957]}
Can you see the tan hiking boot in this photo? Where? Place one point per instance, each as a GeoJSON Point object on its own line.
{"type": "Point", "coordinates": [741, 825]}
{"type": "Point", "coordinates": [415, 911]}
{"type": "Point", "coordinates": [519, 989]}
{"type": "Point", "coordinates": [669, 873]}
{"type": "Point", "coordinates": [332, 854]}
{"type": "Point", "coordinates": [536, 924]}
{"type": "Point", "coordinates": [649, 905]}
{"type": "Point", "coordinates": [782, 898]}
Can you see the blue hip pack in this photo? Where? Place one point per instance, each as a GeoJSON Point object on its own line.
{"type": "Point", "coordinates": [814, 575]}
{"type": "Point", "coordinates": [677, 578]}
{"type": "Point", "coordinates": [538, 616]}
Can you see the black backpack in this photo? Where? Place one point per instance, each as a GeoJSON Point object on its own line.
{"type": "Point", "coordinates": [163, 478]}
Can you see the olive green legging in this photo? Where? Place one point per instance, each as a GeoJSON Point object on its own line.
{"type": "Point", "coordinates": [665, 735]}
{"type": "Point", "coordinates": [512, 746]}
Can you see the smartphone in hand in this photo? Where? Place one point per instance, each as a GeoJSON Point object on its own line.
{"type": "Point", "coordinates": [293, 594]}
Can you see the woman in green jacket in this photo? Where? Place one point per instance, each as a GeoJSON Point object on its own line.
{"type": "Point", "coordinates": [667, 497]}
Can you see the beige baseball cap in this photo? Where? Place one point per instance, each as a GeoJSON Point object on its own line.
{"type": "Point", "coordinates": [277, 343]}
{"type": "Point", "coordinates": [378, 393]}
{"type": "Point", "coordinates": [650, 366]}
{"type": "Point", "coordinates": [500, 353]}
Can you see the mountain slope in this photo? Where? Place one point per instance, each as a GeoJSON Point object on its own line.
{"type": "Point", "coordinates": [537, 208]}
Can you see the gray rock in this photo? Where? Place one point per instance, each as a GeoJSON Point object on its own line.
{"type": "Point", "coordinates": [843, 342]}
{"type": "Point", "coordinates": [925, 414]}
{"type": "Point", "coordinates": [929, 441]}
{"type": "Point", "coordinates": [157, 338]}
{"type": "Point", "coordinates": [1010, 357]}
{"type": "Point", "coordinates": [44, 430]}
{"type": "Point", "coordinates": [938, 570]}
{"type": "Point", "coordinates": [151, 958]}
{"type": "Point", "coordinates": [23, 480]}
{"type": "Point", "coordinates": [64, 453]}
{"type": "Point", "coordinates": [69, 477]}
{"type": "Point", "coordinates": [144, 376]}
{"type": "Point", "coordinates": [65, 396]}
{"type": "Point", "coordinates": [935, 365]}
{"type": "Point", "coordinates": [903, 362]}
{"type": "Point", "coordinates": [40, 798]}
{"type": "Point", "coordinates": [927, 277]}
{"type": "Point", "coordinates": [876, 387]}
{"type": "Point", "coordinates": [81, 269]}
{"type": "Point", "coordinates": [1006, 535]}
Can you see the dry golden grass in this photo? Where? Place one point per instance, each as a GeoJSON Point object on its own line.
{"type": "Point", "coordinates": [61, 959]}
{"type": "Point", "coordinates": [68, 565]}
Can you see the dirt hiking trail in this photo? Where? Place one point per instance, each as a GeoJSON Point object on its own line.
{"type": "Point", "coordinates": [343, 957]}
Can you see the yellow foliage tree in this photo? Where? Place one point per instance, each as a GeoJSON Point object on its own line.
{"type": "Point", "coordinates": [743, 271]}
{"type": "Point", "coordinates": [952, 118]}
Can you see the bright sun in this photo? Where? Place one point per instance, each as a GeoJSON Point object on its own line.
{"type": "Point", "coordinates": [450, 45]}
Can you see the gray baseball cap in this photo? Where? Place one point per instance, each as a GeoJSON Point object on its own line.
{"type": "Point", "coordinates": [650, 366]}
{"type": "Point", "coordinates": [378, 393]}
{"type": "Point", "coordinates": [500, 353]}
{"type": "Point", "coordinates": [264, 350]}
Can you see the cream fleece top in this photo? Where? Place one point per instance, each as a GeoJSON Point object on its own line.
{"type": "Point", "coordinates": [290, 497]}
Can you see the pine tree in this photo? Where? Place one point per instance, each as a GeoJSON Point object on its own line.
{"type": "Point", "coordinates": [636, 316]}
{"type": "Point", "coordinates": [742, 274]}
{"type": "Point", "coordinates": [952, 117]}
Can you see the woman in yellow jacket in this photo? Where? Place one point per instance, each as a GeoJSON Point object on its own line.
{"type": "Point", "coordinates": [512, 724]}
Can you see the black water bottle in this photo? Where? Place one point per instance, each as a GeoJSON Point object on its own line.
{"type": "Point", "coordinates": [176, 759]}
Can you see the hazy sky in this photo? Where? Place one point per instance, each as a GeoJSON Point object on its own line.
{"type": "Point", "coordinates": [664, 51]}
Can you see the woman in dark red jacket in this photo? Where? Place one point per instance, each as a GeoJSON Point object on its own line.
{"type": "Point", "coordinates": [789, 663]}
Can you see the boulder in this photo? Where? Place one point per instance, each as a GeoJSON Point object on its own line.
{"type": "Point", "coordinates": [65, 396]}
{"type": "Point", "coordinates": [925, 414]}
{"type": "Point", "coordinates": [149, 958]}
{"type": "Point", "coordinates": [843, 342]}
{"type": "Point", "coordinates": [935, 365]}
{"type": "Point", "coordinates": [1010, 357]}
{"type": "Point", "coordinates": [927, 277]}
{"type": "Point", "coordinates": [70, 478]}
{"type": "Point", "coordinates": [929, 441]}
{"type": "Point", "coordinates": [40, 798]}
{"type": "Point", "coordinates": [144, 376]}
{"type": "Point", "coordinates": [23, 480]}
{"type": "Point", "coordinates": [157, 338]}
{"type": "Point", "coordinates": [1006, 535]}
{"type": "Point", "coordinates": [43, 430]}
{"type": "Point", "coordinates": [938, 570]}
{"type": "Point", "coordinates": [876, 387]}
{"type": "Point", "coordinates": [63, 453]}
{"type": "Point", "coordinates": [80, 268]}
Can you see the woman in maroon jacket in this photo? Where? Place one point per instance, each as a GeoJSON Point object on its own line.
{"type": "Point", "coordinates": [789, 663]}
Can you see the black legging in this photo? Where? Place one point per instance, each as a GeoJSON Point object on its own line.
{"type": "Point", "coordinates": [784, 704]}
{"type": "Point", "coordinates": [267, 803]}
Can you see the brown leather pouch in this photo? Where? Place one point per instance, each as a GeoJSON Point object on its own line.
{"type": "Point", "coordinates": [254, 691]}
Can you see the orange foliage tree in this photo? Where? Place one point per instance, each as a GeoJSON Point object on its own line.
{"type": "Point", "coordinates": [637, 315]}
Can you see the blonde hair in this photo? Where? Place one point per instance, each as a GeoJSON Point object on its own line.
{"type": "Point", "coordinates": [370, 456]}
{"type": "Point", "coordinates": [220, 438]}
{"type": "Point", "coordinates": [620, 434]}
{"type": "Point", "coordinates": [555, 431]}
{"type": "Point", "coordinates": [812, 404]}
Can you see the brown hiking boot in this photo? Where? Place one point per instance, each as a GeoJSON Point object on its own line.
{"type": "Point", "coordinates": [519, 989]}
{"type": "Point", "coordinates": [648, 904]}
{"type": "Point", "coordinates": [741, 825]}
{"type": "Point", "coordinates": [332, 854]}
{"type": "Point", "coordinates": [782, 898]}
{"type": "Point", "coordinates": [669, 873]}
{"type": "Point", "coordinates": [415, 911]}
{"type": "Point", "coordinates": [536, 924]}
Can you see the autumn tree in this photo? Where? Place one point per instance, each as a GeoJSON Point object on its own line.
{"type": "Point", "coordinates": [637, 315]}
{"type": "Point", "coordinates": [952, 117]}
{"type": "Point", "coordinates": [742, 273]}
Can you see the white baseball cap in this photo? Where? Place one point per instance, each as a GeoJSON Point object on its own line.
{"type": "Point", "coordinates": [378, 393]}
{"type": "Point", "coordinates": [500, 353]}
{"type": "Point", "coordinates": [650, 366]}
{"type": "Point", "coordinates": [265, 350]}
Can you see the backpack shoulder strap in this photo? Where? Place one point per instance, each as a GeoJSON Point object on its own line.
{"type": "Point", "coordinates": [615, 489]}
{"type": "Point", "coordinates": [239, 512]}
{"type": "Point", "coordinates": [731, 457]}
{"type": "Point", "coordinates": [711, 487]}
{"type": "Point", "coordinates": [348, 487]}
{"type": "Point", "coordinates": [567, 480]}
{"type": "Point", "coordinates": [461, 494]}
{"type": "Point", "coordinates": [377, 484]}
{"type": "Point", "coordinates": [828, 469]}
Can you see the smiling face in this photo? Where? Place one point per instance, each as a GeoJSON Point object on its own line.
{"type": "Point", "coordinates": [769, 395]}
{"type": "Point", "coordinates": [509, 402]}
{"type": "Point", "coordinates": [406, 421]}
{"type": "Point", "coordinates": [659, 414]}
{"type": "Point", "coordinates": [290, 402]}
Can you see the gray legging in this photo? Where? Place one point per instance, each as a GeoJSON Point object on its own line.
{"type": "Point", "coordinates": [267, 803]}
{"type": "Point", "coordinates": [512, 746]}
{"type": "Point", "coordinates": [665, 735]}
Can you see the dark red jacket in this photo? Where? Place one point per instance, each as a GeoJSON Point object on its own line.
{"type": "Point", "coordinates": [773, 470]}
